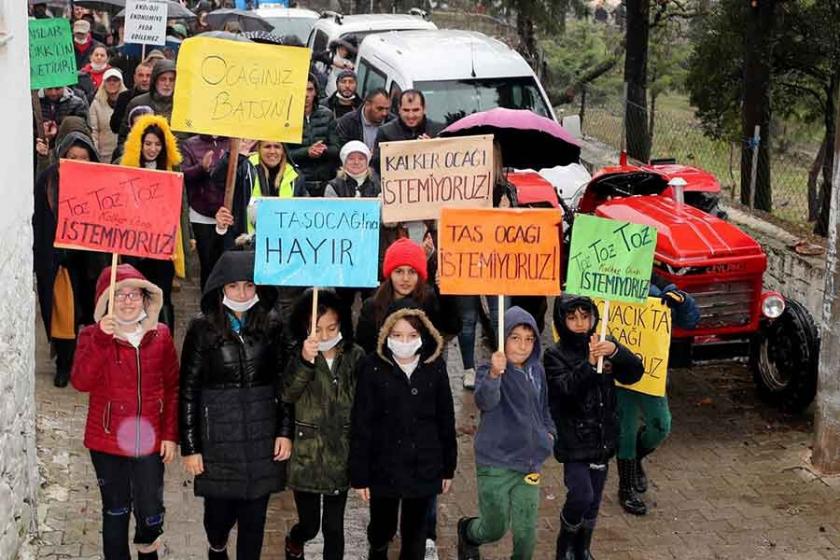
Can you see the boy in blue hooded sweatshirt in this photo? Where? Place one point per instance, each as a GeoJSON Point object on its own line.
{"type": "Point", "coordinates": [514, 438]}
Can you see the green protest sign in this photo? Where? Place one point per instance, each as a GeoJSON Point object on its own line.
{"type": "Point", "coordinates": [52, 61]}
{"type": "Point", "coordinates": [610, 259]}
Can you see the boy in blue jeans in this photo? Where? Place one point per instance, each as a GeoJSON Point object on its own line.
{"type": "Point", "coordinates": [514, 438]}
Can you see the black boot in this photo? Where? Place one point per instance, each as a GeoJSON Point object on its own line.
{"type": "Point", "coordinates": [640, 481]}
{"type": "Point", "coordinates": [378, 553]}
{"type": "Point", "coordinates": [64, 352]}
{"type": "Point", "coordinates": [294, 551]}
{"type": "Point", "coordinates": [630, 500]}
{"type": "Point", "coordinates": [566, 540]}
{"type": "Point", "coordinates": [153, 555]}
{"type": "Point", "coordinates": [584, 540]}
{"type": "Point", "coordinates": [467, 550]}
{"type": "Point", "coordinates": [217, 554]}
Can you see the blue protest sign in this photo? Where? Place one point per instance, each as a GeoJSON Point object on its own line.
{"type": "Point", "coordinates": [327, 242]}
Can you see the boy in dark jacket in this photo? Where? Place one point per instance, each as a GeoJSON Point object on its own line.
{"type": "Point", "coordinates": [514, 438]}
{"type": "Point", "coordinates": [583, 405]}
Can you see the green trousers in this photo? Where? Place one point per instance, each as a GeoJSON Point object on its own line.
{"type": "Point", "coordinates": [506, 500]}
{"type": "Point", "coordinates": [655, 413]}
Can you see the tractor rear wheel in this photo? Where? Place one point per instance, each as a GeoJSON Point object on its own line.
{"type": "Point", "coordinates": [784, 359]}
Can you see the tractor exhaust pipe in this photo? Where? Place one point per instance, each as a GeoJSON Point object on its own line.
{"type": "Point", "coordinates": [678, 185]}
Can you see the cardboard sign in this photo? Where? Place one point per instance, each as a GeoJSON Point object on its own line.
{"type": "Point", "coordinates": [52, 60]}
{"type": "Point", "coordinates": [145, 22]}
{"type": "Point", "coordinates": [240, 90]}
{"type": "Point", "coordinates": [610, 259]}
{"type": "Point", "coordinates": [317, 242]}
{"type": "Point", "coordinates": [419, 177]}
{"type": "Point", "coordinates": [499, 252]}
{"type": "Point", "coordinates": [115, 209]}
{"type": "Point", "coordinates": [645, 329]}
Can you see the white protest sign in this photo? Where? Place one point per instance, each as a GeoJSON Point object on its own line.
{"type": "Point", "coordinates": [145, 22]}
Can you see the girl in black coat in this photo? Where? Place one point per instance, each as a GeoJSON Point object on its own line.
{"type": "Point", "coordinates": [585, 411]}
{"type": "Point", "coordinates": [235, 437]}
{"type": "Point", "coordinates": [402, 441]}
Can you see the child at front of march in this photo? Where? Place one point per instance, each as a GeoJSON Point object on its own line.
{"type": "Point", "coordinates": [635, 443]}
{"type": "Point", "coordinates": [514, 438]}
{"type": "Point", "coordinates": [128, 364]}
{"type": "Point", "coordinates": [584, 408]}
{"type": "Point", "coordinates": [320, 383]}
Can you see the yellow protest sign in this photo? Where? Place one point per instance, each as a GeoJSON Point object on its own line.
{"type": "Point", "coordinates": [240, 89]}
{"type": "Point", "coordinates": [645, 329]}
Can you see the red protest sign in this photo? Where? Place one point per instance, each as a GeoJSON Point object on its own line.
{"type": "Point", "coordinates": [116, 209]}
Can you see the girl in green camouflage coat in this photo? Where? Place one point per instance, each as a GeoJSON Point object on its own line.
{"type": "Point", "coordinates": [320, 382]}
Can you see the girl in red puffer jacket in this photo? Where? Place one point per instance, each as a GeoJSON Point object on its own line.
{"type": "Point", "coordinates": [128, 364]}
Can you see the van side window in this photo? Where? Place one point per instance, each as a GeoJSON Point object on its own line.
{"type": "Point", "coordinates": [395, 93]}
{"type": "Point", "coordinates": [320, 42]}
{"type": "Point", "coordinates": [369, 77]}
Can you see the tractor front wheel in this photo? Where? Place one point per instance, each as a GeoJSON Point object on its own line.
{"type": "Point", "coordinates": [784, 359]}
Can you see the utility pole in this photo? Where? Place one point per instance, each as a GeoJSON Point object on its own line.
{"type": "Point", "coordinates": [826, 454]}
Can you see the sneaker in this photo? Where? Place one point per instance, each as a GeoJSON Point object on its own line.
{"type": "Point", "coordinates": [431, 550]}
{"type": "Point", "coordinates": [469, 378]}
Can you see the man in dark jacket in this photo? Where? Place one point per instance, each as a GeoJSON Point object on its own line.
{"type": "Point", "coordinates": [363, 123]}
{"type": "Point", "coordinates": [58, 103]}
{"type": "Point", "coordinates": [345, 99]}
{"type": "Point", "coordinates": [83, 42]}
{"type": "Point", "coordinates": [317, 154]}
{"type": "Point", "coordinates": [159, 96]}
{"type": "Point", "coordinates": [142, 81]}
{"type": "Point", "coordinates": [412, 123]}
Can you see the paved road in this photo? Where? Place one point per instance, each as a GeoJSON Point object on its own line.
{"type": "Point", "coordinates": [730, 483]}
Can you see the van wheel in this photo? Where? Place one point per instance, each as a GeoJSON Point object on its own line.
{"type": "Point", "coordinates": [784, 358]}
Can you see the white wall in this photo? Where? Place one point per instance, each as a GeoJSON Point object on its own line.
{"type": "Point", "coordinates": [18, 471]}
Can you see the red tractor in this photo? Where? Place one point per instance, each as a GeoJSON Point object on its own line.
{"type": "Point", "coordinates": [718, 264]}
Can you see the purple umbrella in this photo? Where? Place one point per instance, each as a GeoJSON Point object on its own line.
{"type": "Point", "coordinates": [527, 139]}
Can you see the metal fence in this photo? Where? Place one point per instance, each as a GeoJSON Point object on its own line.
{"type": "Point", "coordinates": [677, 134]}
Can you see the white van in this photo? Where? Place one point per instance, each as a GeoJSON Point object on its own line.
{"type": "Point", "coordinates": [459, 72]}
{"type": "Point", "coordinates": [289, 21]}
{"type": "Point", "coordinates": [333, 26]}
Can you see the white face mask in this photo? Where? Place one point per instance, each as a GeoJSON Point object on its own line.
{"type": "Point", "coordinates": [327, 345]}
{"type": "Point", "coordinates": [98, 67]}
{"type": "Point", "coordinates": [404, 349]}
{"type": "Point", "coordinates": [140, 316]}
{"type": "Point", "coordinates": [240, 306]}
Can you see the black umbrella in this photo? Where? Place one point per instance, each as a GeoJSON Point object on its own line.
{"type": "Point", "coordinates": [104, 5]}
{"type": "Point", "coordinates": [264, 37]}
{"type": "Point", "coordinates": [223, 35]}
{"type": "Point", "coordinates": [248, 21]}
{"type": "Point", "coordinates": [174, 10]}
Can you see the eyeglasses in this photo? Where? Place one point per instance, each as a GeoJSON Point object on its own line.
{"type": "Point", "coordinates": [130, 296]}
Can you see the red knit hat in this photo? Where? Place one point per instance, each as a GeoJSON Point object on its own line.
{"type": "Point", "coordinates": [405, 252]}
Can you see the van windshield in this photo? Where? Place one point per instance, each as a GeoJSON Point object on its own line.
{"type": "Point", "coordinates": [449, 100]}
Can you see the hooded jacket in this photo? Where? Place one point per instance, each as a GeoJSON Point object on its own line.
{"type": "Point", "coordinates": [99, 119]}
{"type": "Point", "coordinates": [402, 436]}
{"type": "Point", "coordinates": [319, 125]}
{"type": "Point", "coordinates": [133, 403]}
{"type": "Point", "coordinates": [230, 388]}
{"type": "Point", "coordinates": [83, 266]}
{"type": "Point", "coordinates": [160, 105]}
{"type": "Point", "coordinates": [339, 109]}
{"type": "Point", "coordinates": [583, 403]}
{"type": "Point", "coordinates": [133, 148]}
{"type": "Point", "coordinates": [516, 430]}
{"type": "Point", "coordinates": [322, 397]}
{"type": "Point", "coordinates": [68, 104]}
{"type": "Point", "coordinates": [204, 195]}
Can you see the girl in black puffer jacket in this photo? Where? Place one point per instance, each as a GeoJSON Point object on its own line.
{"type": "Point", "coordinates": [235, 432]}
{"type": "Point", "coordinates": [583, 405]}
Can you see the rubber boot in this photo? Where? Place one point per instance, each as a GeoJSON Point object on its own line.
{"type": "Point", "coordinates": [467, 550]}
{"type": "Point", "coordinates": [566, 540]}
{"type": "Point", "coordinates": [640, 481]}
{"type": "Point", "coordinates": [217, 554]}
{"type": "Point", "coordinates": [630, 500]}
{"type": "Point", "coordinates": [584, 540]}
{"type": "Point", "coordinates": [153, 555]}
{"type": "Point", "coordinates": [294, 551]}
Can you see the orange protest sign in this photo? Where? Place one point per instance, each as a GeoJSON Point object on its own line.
{"type": "Point", "coordinates": [494, 251]}
{"type": "Point", "coordinates": [117, 209]}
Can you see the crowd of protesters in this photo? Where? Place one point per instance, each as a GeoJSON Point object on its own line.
{"type": "Point", "coordinates": [263, 398]}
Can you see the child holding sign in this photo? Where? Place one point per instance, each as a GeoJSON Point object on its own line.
{"type": "Point", "coordinates": [514, 439]}
{"type": "Point", "coordinates": [320, 383]}
{"type": "Point", "coordinates": [583, 405]}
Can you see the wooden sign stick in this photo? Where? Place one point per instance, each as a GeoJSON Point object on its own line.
{"type": "Point", "coordinates": [501, 333]}
{"type": "Point", "coordinates": [230, 178]}
{"type": "Point", "coordinates": [604, 321]}
{"type": "Point", "coordinates": [314, 312]}
{"type": "Point", "coordinates": [112, 287]}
